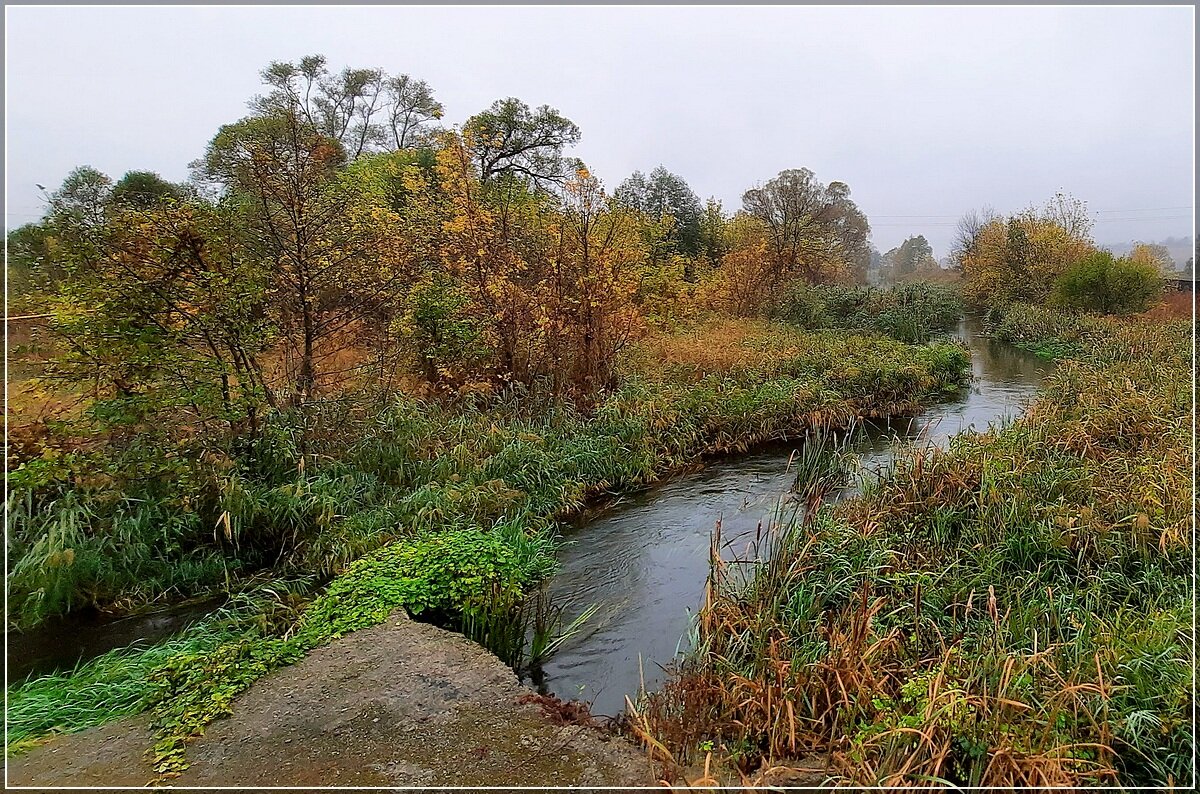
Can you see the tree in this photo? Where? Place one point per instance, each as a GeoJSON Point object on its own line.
{"type": "Point", "coordinates": [666, 195]}
{"type": "Point", "coordinates": [744, 282]}
{"type": "Point", "coordinates": [31, 265]}
{"type": "Point", "coordinates": [1018, 258]}
{"type": "Point", "coordinates": [596, 278]}
{"type": "Point", "coordinates": [510, 138]}
{"type": "Point", "coordinates": [364, 110]}
{"type": "Point", "coordinates": [325, 274]}
{"type": "Point", "coordinates": [911, 256]}
{"type": "Point", "coordinates": [158, 313]}
{"type": "Point", "coordinates": [713, 231]}
{"type": "Point", "coordinates": [144, 189]}
{"type": "Point", "coordinates": [967, 234]}
{"type": "Point", "coordinates": [83, 200]}
{"type": "Point", "coordinates": [877, 269]}
{"type": "Point", "coordinates": [815, 232]}
{"type": "Point", "coordinates": [1103, 283]}
{"type": "Point", "coordinates": [1069, 214]}
{"type": "Point", "coordinates": [1154, 255]}
{"type": "Point", "coordinates": [411, 107]}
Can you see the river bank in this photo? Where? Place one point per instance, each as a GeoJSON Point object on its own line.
{"type": "Point", "coordinates": [1012, 610]}
{"type": "Point", "coordinates": [644, 560]}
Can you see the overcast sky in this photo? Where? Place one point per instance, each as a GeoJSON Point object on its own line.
{"type": "Point", "coordinates": [924, 112]}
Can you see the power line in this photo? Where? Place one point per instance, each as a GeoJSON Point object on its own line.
{"type": "Point", "coordinates": [1147, 209]}
{"type": "Point", "coordinates": [1096, 212]}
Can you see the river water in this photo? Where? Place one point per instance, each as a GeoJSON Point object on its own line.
{"type": "Point", "coordinates": [644, 560]}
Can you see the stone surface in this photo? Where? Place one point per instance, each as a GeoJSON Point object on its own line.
{"type": "Point", "coordinates": [400, 704]}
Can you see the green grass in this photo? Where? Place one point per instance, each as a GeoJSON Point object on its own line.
{"type": "Point", "coordinates": [117, 683]}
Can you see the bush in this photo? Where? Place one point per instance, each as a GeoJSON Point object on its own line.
{"type": "Point", "coordinates": [1103, 283]}
{"type": "Point", "coordinates": [911, 313]}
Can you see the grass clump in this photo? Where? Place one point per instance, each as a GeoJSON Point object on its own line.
{"type": "Point", "coordinates": [119, 683]}
{"type": "Point", "coordinates": [1013, 610]}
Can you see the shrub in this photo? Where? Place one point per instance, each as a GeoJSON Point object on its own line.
{"type": "Point", "coordinates": [911, 313]}
{"type": "Point", "coordinates": [1103, 283]}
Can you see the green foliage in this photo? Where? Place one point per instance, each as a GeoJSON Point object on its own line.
{"type": "Point", "coordinates": [145, 189]}
{"type": "Point", "coordinates": [912, 313]}
{"type": "Point", "coordinates": [104, 689]}
{"type": "Point", "coordinates": [1103, 283]}
{"type": "Point", "coordinates": [444, 571]}
{"type": "Point", "coordinates": [30, 265]}
{"type": "Point", "coordinates": [663, 195]}
{"type": "Point", "coordinates": [192, 689]}
{"type": "Point", "coordinates": [911, 256]}
{"type": "Point", "coordinates": [512, 139]}
{"type": "Point", "coordinates": [119, 683]}
{"type": "Point", "coordinates": [443, 333]}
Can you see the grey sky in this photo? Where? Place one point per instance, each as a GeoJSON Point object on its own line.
{"type": "Point", "coordinates": [924, 112]}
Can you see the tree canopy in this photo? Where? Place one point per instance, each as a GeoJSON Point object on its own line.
{"type": "Point", "coordinates": [664, 195]}
{"type": "Point", "coordinates": [814, 231]}
{"type": "Point", "coordinates": [510, 138]}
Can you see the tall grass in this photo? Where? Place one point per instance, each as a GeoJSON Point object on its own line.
{"type": "Point", "coordinates": [127, 530]}
{"type": "Point", "coordinates": [1014, 610]}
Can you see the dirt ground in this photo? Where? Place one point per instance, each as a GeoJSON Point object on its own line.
{"type": "Point", "coordinates": [400, 704]}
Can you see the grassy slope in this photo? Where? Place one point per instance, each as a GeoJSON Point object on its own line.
{"type": "Point", "coordinates": [453, 508]}
{"type": "Point", "coordinates": [1014, 610]}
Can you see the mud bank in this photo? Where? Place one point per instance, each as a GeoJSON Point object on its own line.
{"type": "Point", "coordinates": [400, 704]}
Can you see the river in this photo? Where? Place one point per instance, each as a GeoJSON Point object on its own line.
{"type": "Point", "coordinates": [644, 559]}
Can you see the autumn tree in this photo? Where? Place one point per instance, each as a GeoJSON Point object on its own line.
{"type": "Point", "coordinates": [713, 231]}
{"type": "Point", "coordinates": [596, 273]}
{"type": "Point", "coordinates": [325, 276]}
{"type": "Point", "coordinates": [910, 257]}
{"type": "Point", "coordinates": [1155, 255]}
{"type": "Point", "coordinates": [1019, 258]}
{"type": "Point", "coordinates": [75, 219]}
{"type": "Point", "coordinates": [31, 266]}
{"type": "Point", "coordinates": [815, 232]}
{"type": "Point", "coordinates": [744, 282]}
{"type": "Point", "coordinates": [157, 312]}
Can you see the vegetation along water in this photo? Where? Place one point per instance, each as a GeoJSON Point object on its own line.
{"type": "Point", "coordinates": [364, 363]}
